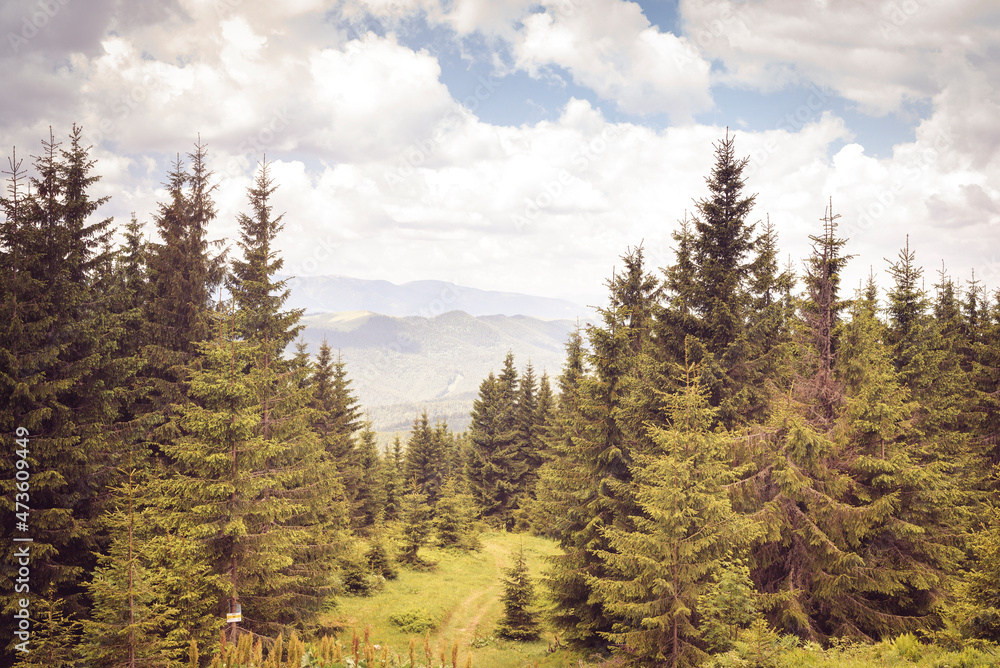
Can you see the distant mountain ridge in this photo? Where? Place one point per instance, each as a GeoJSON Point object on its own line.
{"type": "Point", "coordinates": [429, 344]}
{"type": "Point", "coordinates": [331, 294]}
{"type": "Point", "coordinates": [401, 365]}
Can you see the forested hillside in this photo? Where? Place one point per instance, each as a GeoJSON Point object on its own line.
{"type": "Point", "coordinates": [400, 366]}
{"type": "Point", "coordinates": [738, 456]}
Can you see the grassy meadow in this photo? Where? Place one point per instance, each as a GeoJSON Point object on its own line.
{"type": "Point", "coordinates": [456, 600]}
{"type": "Point", "coordinates": [457, 603]}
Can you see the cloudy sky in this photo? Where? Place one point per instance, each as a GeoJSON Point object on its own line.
{"type": "Point", "coordinates": [523, 145]}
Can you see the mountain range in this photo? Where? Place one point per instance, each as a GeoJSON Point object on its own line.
{"type": "Point", "coordinates": [330, 294]}
{"type": "Point", "coordinates": [436, 344]}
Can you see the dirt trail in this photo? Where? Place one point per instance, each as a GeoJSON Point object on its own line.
{"type": "Point", "coordinates": [464, 619]}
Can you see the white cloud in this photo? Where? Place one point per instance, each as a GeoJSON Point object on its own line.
{"type": "Point", "coordinates": [373, 96]}
{"type": "Point", "coordinates": [383, 174]}
{"type": "Point", "coordinates": [610, 47]}
{"type": "Point", "coordinates": [879, 55]}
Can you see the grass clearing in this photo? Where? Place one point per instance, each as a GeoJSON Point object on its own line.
{"type": "Point", "coordinates": [461, 595]}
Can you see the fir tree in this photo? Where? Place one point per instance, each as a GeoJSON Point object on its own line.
{"type": "Point", "coordinates": [245, 491]}
{"type": "Point", "coordinates": [518, 622]}
{"type": "Point", "coordinates": [416, 525]}
{"type": "Point", "coordinates": [682, 537]}
{"type": "Point", "coordinates": [710, 288]}
{"type": "Point", "coordinates": [722, 241]}
{"type": "Point", "coordinates": [337, 419]}
{"type": "Point", "coordinates": [183, 276]}
{"type": "Point", "coordinates": [54, 636]}
{"type": "Point", "coordinates": [610, 408]}
{"type": "Point", "coordinates": [310, 486]}
{"type": "Point", "coordinates": [370, 502]}
{"type": "Point", "coordinates": [392, 475]}
{"type": "Point", "coordinates": [424, 456]}
{"type": "Point", "coordinates": [985, 377]}
{"type": "Point", "coordinates": [560, 478]}
{"type": "Point", "coordinates": [454, 516]}
{"type": "Point", "coordinates": [978, 607]}
{"type": "Point", "coordinates": [63, 378]}
{"type": "Point", "coordinates": [492, 470]}
{"type": "Point", "coordinates": [821, 313]}
{"type": "Point", "coordinates": [529, 442]}
{"type": "Point", "coordinates": [125, 629]}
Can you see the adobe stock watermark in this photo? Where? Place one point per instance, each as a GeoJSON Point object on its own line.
{"type": "Point", "coordinates": [384, 357]}
{"type": "Point", "coordinates": [252, 147]}
{"type": "Point", "coordinates": [133, 97]}
{"type": "Point", "coordinates": [877, 208]}
{"type": "Point", "coordinates": [323, 250]}
{"type": "Point", "coordinates": [792, 122]}
{"type": "Point", "coordinates": [988, 271]}
{"type": "Point", "coordinates": [896, 15]}
{"type": "Point", "coordinates": [34, 22]}
{"type": "Point", "coordinates": [417, 153]}
{"type": "Point", "coordinates": [709, 31]}
{"type": "Point", "coordinates": [224, 7]}
{"type": "Point", "coordinates": [552, 190]}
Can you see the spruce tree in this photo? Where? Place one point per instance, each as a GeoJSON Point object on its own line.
{"type": "Point", "coordinates": [183, 276]}
{"type": "Point", "coordinates": [984, 369]}
{"type": "Point", "coordinates": [821, 312]}
{"type": "Point", "coordinates": [709, 288]}
{"type": "Point", "coordinates": [518, 622]}
{"type": "Point", "coordinates": [127, 620]}
{"type": "Point", "coordinates": [228, 491]}
{"type": "Point", "coordinates": [560, 477]}
{"type": "Point", "coordinates": [337, 418]}
{"type": "Point", "coordinates": [422, 466]}
{"type": "Point", "coordinates": [454, 516]}
{"type": "Point", "coordinates": [416, 519]}
{"type": "Point", "coordinates": [370, 502]}
{"type": "Point", "coordinates": [529, 442]}
{"type": "Point", "coordinates": [684, 533]}
{"type": "Point", "coordinates": [54, 635]}
{"type": "Point", "coordinates": [493, 470]}
{"type": "Point", "coordinates": [392, 475]}
{"type": "Point", "coordinates": [907, 536]}
{"type": "Point", "coordinates": [723, 240]}
{"type": "Point", "coordinates": [603, 446]}
{"type": "Point", "coordinates": [311, 486]}
{"type": "Point", "coordinates": [62, 374]}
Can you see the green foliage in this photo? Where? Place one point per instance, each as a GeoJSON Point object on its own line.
{"type": "Point", "coordinates": [413, 620]}
{"type": "Point", "coordinates": [380, 561]}
{"type": "Point", "coordinates": [519, 621]}
{"type": "Point", "coordinates": [129, 614]}
{"type": "Point", "coordinates": [370, 497]}
{"type": "Point", "coordinates": [423, 467]}
{"type": "Point", "coordinates": [62, 376]}
{"type": "Point", "coordinates": [730, 603]}
{"type": "Point", "coordinates": [416, 526]}
{"type": "Point", "coordinates": [687, 530]}
{"type": "Point", "coordinates": [977, 609]}
{"type": "Point", "coordinates": [54, 636]}
{"type": "Point", "coordinates": [907, 647]}
{"type": "Point", "coordinates": [757, 646]}
{"type": "Point", "coordinates": [494, 470]}
{"type": "Point", "coordinates": [357, 576]}
{"type": "Point", "coordinates": [454, 518]}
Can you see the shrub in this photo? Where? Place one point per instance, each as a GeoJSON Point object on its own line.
{"type": "Point", "coordinates": [908, 647]}
{"type": "Point", "coordinates": [380, 561]}
{"type": "Point", "coordinates": [413, 620]}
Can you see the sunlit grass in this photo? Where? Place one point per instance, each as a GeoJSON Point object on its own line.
{"type": "Point", "coordinates": [461, 593]}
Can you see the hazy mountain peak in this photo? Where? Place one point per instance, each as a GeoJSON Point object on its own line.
{"type": "Point", "coordinates": [425, 298]}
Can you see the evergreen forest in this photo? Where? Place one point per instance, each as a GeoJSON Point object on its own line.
{"type": "Point", "coordinates": [738, 454]}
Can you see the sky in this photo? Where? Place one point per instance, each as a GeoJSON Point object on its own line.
{"type": "Point", "coordinates": [525, 146]}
